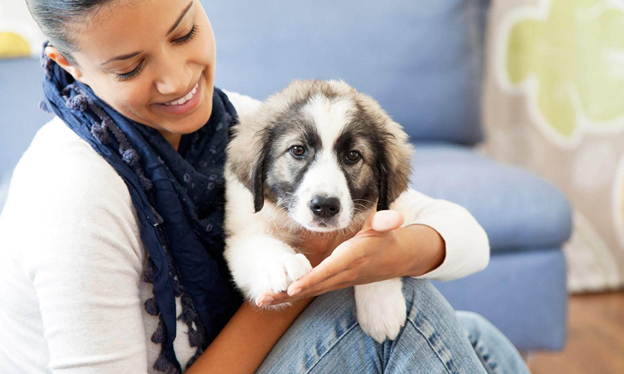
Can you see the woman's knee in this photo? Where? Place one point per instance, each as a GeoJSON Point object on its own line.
{"type": "Point", "coordinates": [421, 295]}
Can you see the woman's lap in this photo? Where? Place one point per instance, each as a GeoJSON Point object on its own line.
{"type": "Point", "coordinates": [326, 338]}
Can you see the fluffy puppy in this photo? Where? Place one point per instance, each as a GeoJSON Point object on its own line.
{"type": "Point", "coordinates": [313, 161]}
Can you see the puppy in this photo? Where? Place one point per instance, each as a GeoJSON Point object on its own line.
{"type": "Point", "coordinates": [313, 161]}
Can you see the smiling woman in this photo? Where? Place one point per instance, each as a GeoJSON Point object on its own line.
{"type": "Point", "coordinates": [154, 64]}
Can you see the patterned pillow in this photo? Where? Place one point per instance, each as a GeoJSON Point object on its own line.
{"type": "Point", "coordinates": [19, 34]}
{"type": "Point", "coordinates": [553, 103]}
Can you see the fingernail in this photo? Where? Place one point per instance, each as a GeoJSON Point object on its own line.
{"type": "Point", "coordinates": [294, 292]}
{"type": "Point", "coordinates": [266, 301]}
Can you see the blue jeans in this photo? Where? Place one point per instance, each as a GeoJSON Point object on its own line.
{"type": "Point", "coordinates": [327, 339]}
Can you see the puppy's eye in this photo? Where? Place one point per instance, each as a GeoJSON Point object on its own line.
{"type": "Point", "coordinates": [297, 151]}
{"type": "Point", "coordinates": [353, 156]}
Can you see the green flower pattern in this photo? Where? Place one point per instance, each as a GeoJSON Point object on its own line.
{"type": "Point", "coordinates": [577, 56]}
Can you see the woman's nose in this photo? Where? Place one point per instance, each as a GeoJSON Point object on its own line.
{"type": "Point", "coordinates": [174, 79]}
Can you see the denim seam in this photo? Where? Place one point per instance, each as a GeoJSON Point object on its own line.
{"type": "Point", "coordinates": [486, 359]}
{"type": "Point", "coordinates": [431, 346]}
{"type": "Point", "coordinates": [332, 347]}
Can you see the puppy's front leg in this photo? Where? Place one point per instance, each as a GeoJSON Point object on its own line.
{"type": "Point", "coordinates": [381, 309]}
{"type": "Point", "coordinates": [260, 263]}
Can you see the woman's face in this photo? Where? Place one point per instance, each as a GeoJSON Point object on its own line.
{"type": "Point", "coordinates": [151, 60]}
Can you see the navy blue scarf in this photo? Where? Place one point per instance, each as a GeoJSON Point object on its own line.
{"type": "Point", "coordinates": [180, 201]}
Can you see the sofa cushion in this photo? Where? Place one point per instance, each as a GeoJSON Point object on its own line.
{"type": "Point", "coordinates": [517, 209]}
{"type": "Point", "coordinates": [421, 59]}
{"type": "Point", "coordinates": [522, 293]}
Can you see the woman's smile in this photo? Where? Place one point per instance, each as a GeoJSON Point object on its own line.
{"type": "Point", "coordinates": [185, 104]}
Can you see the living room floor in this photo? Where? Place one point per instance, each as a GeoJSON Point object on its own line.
{"type": "Point", "coordinates": [595, 338]}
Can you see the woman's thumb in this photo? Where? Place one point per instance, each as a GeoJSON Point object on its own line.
{"type": "Point", "coordinates": [387, 220]}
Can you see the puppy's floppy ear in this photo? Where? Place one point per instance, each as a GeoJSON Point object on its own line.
{"type": "Point", "coordinates": [394, 165]}
{"type": "Point", "coordinates": [258, 176]}
{"type": "Point", "coordinates": [384, 174]}
{"type": "Point", "coordinates": [247, 154]}
{"type": "Point", "coordinates": [394, 151]}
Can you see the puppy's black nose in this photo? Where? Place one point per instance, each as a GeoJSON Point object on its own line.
{"type": "Point", "coordinates": [325, 207]}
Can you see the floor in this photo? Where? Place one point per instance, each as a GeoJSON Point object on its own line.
{"type": "Point", "coordinates": [595, 338]}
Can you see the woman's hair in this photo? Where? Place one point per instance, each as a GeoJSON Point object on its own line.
{"type": "Point", "coordinates": [55, 18]}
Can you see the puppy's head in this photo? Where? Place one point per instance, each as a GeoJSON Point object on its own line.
{"type": "Point", "coordinates": [323, 152]}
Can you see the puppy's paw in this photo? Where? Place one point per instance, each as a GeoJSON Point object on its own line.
{"type": "Point", "coordinates": [278, 272]}
{"type": "Point", "coordinates": [381, 309]}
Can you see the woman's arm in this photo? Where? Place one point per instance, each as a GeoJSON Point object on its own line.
{"type": "Point", "coordinates": [247, 339]}
{"type": "Point", "coordinates": [465, 243]}
{"type": "Point", "coordinates": [426, 247]}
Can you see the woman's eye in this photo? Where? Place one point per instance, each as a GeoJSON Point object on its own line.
{"type": "Point", "coordinates": [353, 156]}
{"type": "Point", "coordinates": [188, 36]}
{"type": "Point", "coordinates": [133, 73]}
{"type": "Point", "coordinates": [297, 150]}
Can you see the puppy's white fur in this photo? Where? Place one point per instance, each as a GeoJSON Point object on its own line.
{"type": "Point", "coordinates": [261, 247]}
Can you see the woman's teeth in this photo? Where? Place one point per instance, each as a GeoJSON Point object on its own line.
{"type": "Point", "coordinates": [186, 98]}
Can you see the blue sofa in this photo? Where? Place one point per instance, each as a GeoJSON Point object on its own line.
{"type": "Point", "coordinates": [423, 61]}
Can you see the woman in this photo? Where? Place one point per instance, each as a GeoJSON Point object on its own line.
{"type": "Point", "coordinates": [111, 247]}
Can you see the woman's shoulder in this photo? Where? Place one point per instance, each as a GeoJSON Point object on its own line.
{"type": "Point", "coordinates": [55, 142]}
{"type": "Point", "coordinates": [58, 160]}
{"type": "Point", "coordinates": [67, 204]}
{"type": "Point", "coordinates": [62, 185]}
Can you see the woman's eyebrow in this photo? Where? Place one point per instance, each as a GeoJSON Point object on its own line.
{"type": "Point", "coordinates": [180, 18]}
{"type": "Point", "coordinates": [133, 54]}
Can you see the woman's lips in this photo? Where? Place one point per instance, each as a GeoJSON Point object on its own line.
{"type": "Point", "coordinates": [184, 104]}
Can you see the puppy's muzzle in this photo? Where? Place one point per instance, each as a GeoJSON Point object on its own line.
{"type": "Point", "coordinates": [324, 206]}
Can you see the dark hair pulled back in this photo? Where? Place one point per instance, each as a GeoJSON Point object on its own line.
{"type": "Point", "coordinates": [55, 18]}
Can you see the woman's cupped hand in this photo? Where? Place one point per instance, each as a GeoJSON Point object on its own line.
{"type": "Point", "coordinates": [372, 255]}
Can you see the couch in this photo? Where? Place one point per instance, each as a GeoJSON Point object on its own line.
{"type": "Point", "coordinates": [423, 61]}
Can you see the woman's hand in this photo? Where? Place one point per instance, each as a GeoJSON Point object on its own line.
{"type": "Point", "coordinates": [380, 250]}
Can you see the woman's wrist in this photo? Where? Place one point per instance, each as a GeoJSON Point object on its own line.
{"type": "Point", "coordinates": [423, 249]}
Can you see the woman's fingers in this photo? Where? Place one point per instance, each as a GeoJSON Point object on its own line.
{"type": "Point", "coordinates": [335, 264]}
{"type": "Point", "coordinates": [329, 268]}
{"type": "Point", "coordinates": [339, 269]}
{"type": "Point", "coordinates": [337, 282]}
{"type": "Point", "coordinates": [324, 271]}
{"type": "Point", "coordinates": [340, 280]}
{"type": "Point", "coordinates": [342, 256]}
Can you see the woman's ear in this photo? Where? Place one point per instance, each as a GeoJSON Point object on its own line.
{"type": "Point", "coordinates": [61, 61]}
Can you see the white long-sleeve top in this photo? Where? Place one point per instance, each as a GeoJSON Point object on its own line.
{"type": "Point", "coordinates": [71, 261]}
